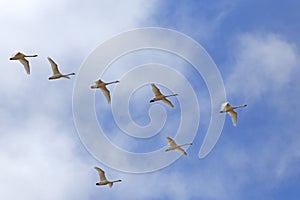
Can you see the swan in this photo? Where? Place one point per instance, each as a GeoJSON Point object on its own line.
{"type": "Point", "coordinates": [102, 85]}
{"type": "Point", "coordinates": [226, 107]}
{"type": "Point", "coordinates": [22, 58]}
{"type": "Point", "coordinates": [103, 180]}
{"type": "Point", "coordinates": [56, 73]}
{"type": "Point", "coordinates": [174, 146]}
{"type": "Point", "coordinates": [160, 97]}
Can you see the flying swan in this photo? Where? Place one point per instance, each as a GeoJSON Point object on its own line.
{"type": "Point", "coordinates": [174, 146]}
{"type": "Point", "coordinates": [103, 180]}
{"type": "Point", "coordinates": [22, 58]}
{"type": "Point", "coordinates": [102, 85]}
{"type": "Point", "coordinates": [226, 107]}
{"type": "Point", "coordinates": [160, 97]}
{"type": "Point", "coordinates": [56, 73]}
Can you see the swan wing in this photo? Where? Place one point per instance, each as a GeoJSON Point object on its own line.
{"type": "Point", "coordinates": [155, 90]}
{"type": "Point", "coordinates": [172, 143]}
{"type": "Point", "coordinates": [181, 150]}
{"type": "Point", "coordinates": [165, 100]}
{"type": "Point", "coordinates": [224, 106]}
{"type": "Point", "coordinates": [106, 93]}
{"type": "Point", "coordinates": [25, 63]}
{"type": "Point", "coordinates": [17, 55]}
{"type": "Point", "coordinates": [101, 174]}
{"type": "Point", "coordinates": [233, 116]}
{"type": "Point", "coordinates": [54, 66]}
{"type": "Point", "coordinates": [99, 81]}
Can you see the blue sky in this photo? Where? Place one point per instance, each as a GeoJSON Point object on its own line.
{"type": "Point", "coordinates": [255, 45]}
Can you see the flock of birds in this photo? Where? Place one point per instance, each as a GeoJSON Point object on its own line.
{"type": "Point", "coordinates": [99, 84]}
{"type": "Point", "coordinates": [56, 73]}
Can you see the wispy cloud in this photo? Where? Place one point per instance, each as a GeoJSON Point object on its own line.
{"type": "Point", "coordinates": [41, 155]}
{"type": "Point", "coordinates": [39, 161]}
{"type": "Point", "coordinates": [262, 65]}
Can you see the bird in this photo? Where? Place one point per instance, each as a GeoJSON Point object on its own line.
{"type": "Point", "coordinates": [160, 97]}
{"type": "Point", "coordinates": [22, 58]}
{"type": "Point", "coordinates": [226, 107]}
{"type": "Point", "coordinates": [56, 73]}
{"type": "Point", "coordinates": [103, 180]}
{"type": "Point", "coordinates": [102, 85]}
{"type": "Point", "coordinates": [174, 146]}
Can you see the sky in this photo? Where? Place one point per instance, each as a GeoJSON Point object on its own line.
{"type": "Point", "coordinates": [44, 154]}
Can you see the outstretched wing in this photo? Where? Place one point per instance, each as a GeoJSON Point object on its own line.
{"type": "Point", "coordinates": [172, 143]}
{"type": "Point", "coordinates": [181, 150]}
{"type": "Point", "coordinates": [106, 93]}
{"type": "Point", "coordinates": [25, 63]}
{"type": "Point", "coordinates": [224, 106]}
{"type": "Point", "coordinates": [17, 56]}
{"type": "Point", "coordinates": [168, 102]}
{"type": "Point", "coordinates": [233, 115]}
{"type": "Point", "coordinates": [155, 90]}
{"type": "Point", "coordinates": [99, 81]}
{"type": "Point", "coordinates": [101, 174]}
{"type": "Point", "coordinates": [54, 66]}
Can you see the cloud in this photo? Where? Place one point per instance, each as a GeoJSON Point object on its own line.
{"type": "Point", "coordinates": [39, 161]}
{"type": "Point", "coordinates": [41, 155]}
{"type": "Point", "coordinates": [262, 65]}
{"type": "Point", "coordinates": [201, 20]}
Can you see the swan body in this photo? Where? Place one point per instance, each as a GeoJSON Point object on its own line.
{"type": "Point", "coordinates": [174, 146]}
{"type": "Point", "coordinates": [22, 58]}
{"type": "Point", "coordinates": [102, 86]}
{"type": "Point", "coordinates": [160, 97]}
{"type": "Point", "coordinates": [226, 107]}
{"type": "Point", "coordinates": [56, 73]}
{"type": "Point", "coordinates": [103, 180]}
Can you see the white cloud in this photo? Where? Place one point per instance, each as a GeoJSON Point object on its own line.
{"type": "Point", "coordinates": [263, 64]}
{"type": "Point", "coordinates": [39, 146]}
{"type": "Point", "coordinates": [38, 161]}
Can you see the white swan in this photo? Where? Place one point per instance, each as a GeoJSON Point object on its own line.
{"type": "Point", "coordinates": [56, 73]}
{"type": "Point", "coordinates": [22, 58]}
{"type": "Point", "coordinates": [226, 107]}
{"type": "Point", "coordinates": [174, 146]}
{"type": "Point", "coordinates": [102, 85]}
{"type": "Point", "coordinates": [160, 97]}
{"type": "Point", "coordinates": [103, 180]}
